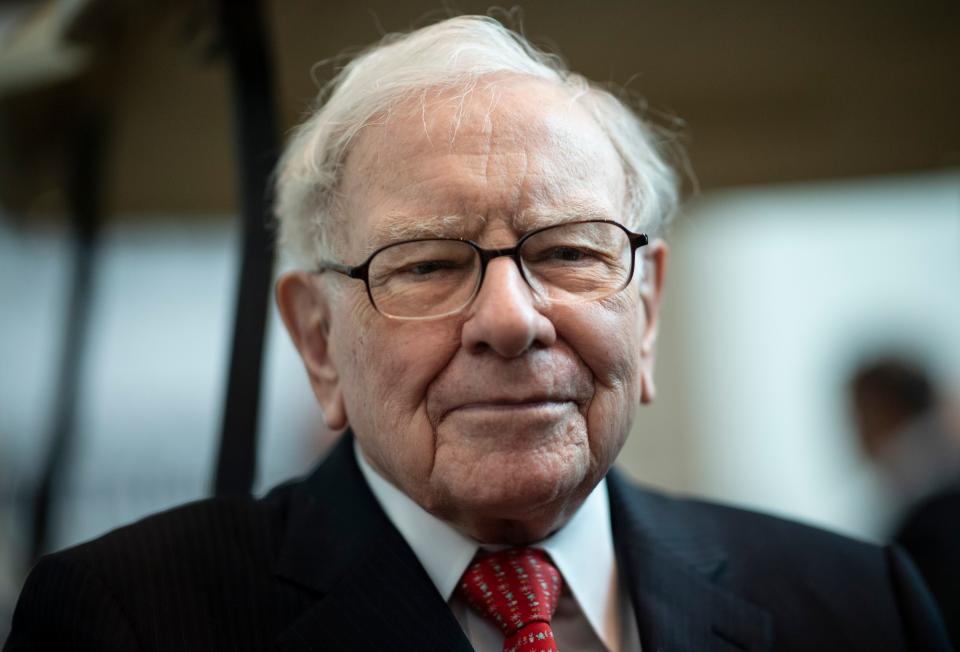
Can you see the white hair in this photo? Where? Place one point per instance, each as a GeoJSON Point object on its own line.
{"type": "Point", "coordinates": [450, 54]}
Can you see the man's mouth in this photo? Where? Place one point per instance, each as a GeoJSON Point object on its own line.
{"type": "Point", "coordinates": [511, 407]}
{"type": "Point", "coordinates": [513, 404]}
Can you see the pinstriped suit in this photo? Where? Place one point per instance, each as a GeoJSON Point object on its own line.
{"type": "Point", "coordinates": [315, 565]}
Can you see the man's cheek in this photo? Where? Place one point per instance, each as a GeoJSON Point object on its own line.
{"type": "Point", "coordinates": [406, 363]}
{"type": "Point", "coordinates": [607, 342]}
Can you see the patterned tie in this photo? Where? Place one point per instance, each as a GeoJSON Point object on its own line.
{"type": "Point", "coordinates": [517, 590]}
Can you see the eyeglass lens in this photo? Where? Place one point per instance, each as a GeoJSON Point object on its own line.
{"type": "Point", "coordinates": [566, 263]}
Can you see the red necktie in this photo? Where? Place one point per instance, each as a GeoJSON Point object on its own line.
{"type": "Point", "coordinates": [517, 590]}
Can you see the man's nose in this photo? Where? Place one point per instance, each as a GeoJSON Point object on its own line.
{"type": "Point", "coordinates": [504, 316]}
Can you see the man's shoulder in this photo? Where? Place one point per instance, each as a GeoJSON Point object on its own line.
{"type": "Point", "coordinates": [166, 578]}
{"type": "Point", "coordinates": [200, 530]}
{"type": "Point", "coordinates": [820, 589]}
{"type": "Point", "coordinates": [757, 549]}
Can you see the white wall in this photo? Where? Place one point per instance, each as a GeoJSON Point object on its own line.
{"type": "Point", "coordinates": [774, 295]}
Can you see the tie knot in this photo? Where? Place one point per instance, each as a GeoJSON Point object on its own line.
{"type": "Point", "coordinates": [517, 590]}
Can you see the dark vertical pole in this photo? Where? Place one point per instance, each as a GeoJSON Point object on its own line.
{"type": "Point", "coordinates": [242, 25]}
{"type": "Point", "coordinates": [84, 193]}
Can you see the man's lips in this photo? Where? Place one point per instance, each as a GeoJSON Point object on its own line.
{"type": "Point", "coordinates": [540, 402]}
{"type": "Point", "coordinates": [510, 404]}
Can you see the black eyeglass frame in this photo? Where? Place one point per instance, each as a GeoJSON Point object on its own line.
{"type": "Point", "coordinates": [362, 271]}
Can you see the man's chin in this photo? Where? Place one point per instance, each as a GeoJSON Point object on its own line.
{"type": "Point", "coordinates": [501, 500]}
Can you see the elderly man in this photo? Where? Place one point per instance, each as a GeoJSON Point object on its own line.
{"type": "Point", "coordinates": [477, 305]}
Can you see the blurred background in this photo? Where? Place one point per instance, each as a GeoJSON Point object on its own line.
{"type": "Point", "coordinates": [821, 236]}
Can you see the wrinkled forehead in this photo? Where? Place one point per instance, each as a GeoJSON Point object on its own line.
{"type": "Point", "coordinates": [520, 150]}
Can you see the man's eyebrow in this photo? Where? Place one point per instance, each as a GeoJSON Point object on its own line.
{"type": "Point", "coordinates": [532, 219]}
{"type": "Point", "coordinates": [397, 228]}
{"type": "Point", "coordinates": [407, 227]}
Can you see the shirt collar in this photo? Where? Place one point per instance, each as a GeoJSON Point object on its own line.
{"type": "Point", "coordinates": [582, 549]}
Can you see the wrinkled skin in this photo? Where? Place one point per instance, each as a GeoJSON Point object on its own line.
{"type": "Point", "coordinates": [500, 419]}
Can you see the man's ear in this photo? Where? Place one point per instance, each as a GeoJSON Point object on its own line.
{"type": "Point", "coordinates": [654, 261]}
{"type": "Point", "coordinates": [305, 308]}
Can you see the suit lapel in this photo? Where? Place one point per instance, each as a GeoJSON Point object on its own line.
{"type": "Point", "coordinates": [373, 593]}
{"type": "Point", "coordinates": [671, 573]}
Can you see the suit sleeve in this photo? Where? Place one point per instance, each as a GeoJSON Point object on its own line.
{"type": "Point", "coordinates": [64, 606]}
{"type": "Point", "coordinates": [923, 628]}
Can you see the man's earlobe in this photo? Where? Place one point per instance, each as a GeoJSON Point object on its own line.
{"type": "Point", "coordinates": [651, 289]}
{"type": "Point", "coordinates": [648, 390]}
{"type": "Point", "coordinates": [305, 310]}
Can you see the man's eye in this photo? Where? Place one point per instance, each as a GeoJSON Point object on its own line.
{"type": "Point", "coordinates": [426, 267]}
{"type": "Point", "coordinates": [566, 255]}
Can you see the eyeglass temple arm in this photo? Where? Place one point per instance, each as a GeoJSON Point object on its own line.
{"type": "Point", "coordinates": [360, 271]}
{"type": "Point", "coordinates": [638, 240]}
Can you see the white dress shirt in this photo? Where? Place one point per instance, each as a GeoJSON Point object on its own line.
{"type": "Point", "coordinates": [594, 613]}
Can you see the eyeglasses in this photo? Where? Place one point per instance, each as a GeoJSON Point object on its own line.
{"type": "Point", "coordinates": [436, 277]}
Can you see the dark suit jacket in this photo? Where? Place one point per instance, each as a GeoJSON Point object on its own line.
{"type": "Point", "coordinates": [316, 565]}
{"type": "Point", "coordinates": [930, 533]}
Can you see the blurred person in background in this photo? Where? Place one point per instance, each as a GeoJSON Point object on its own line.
{"type": "Point", "coordinates": [912, 437]}
{"type": "Point", "coordinates": [475, 299]}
